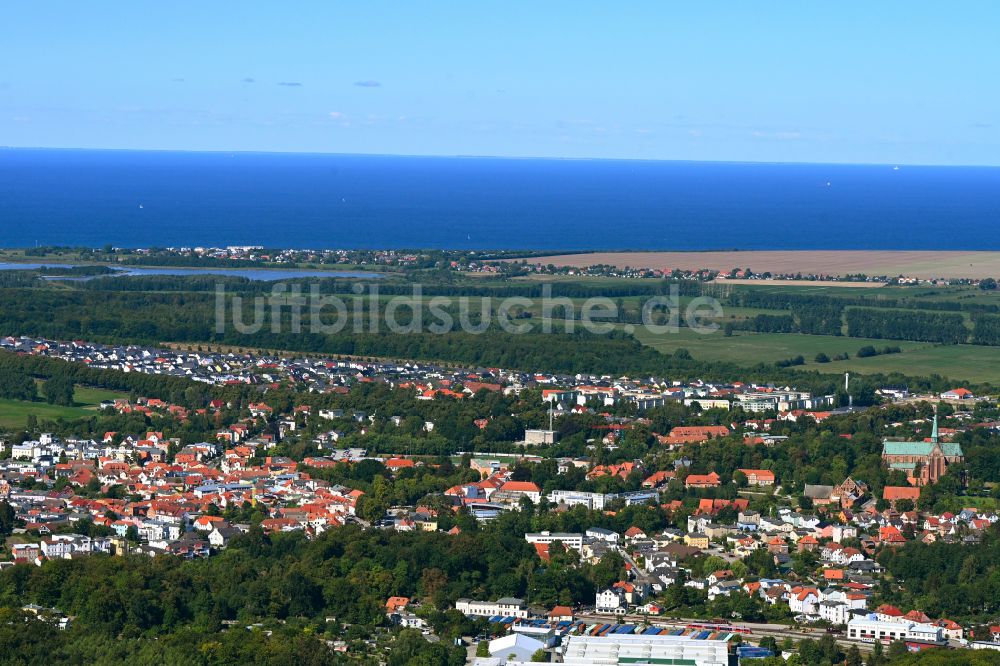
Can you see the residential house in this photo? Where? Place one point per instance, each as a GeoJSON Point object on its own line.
{"type": "Point", "coordinates": [804, 601]}
{"type": "Point", "coordinates": [602, 534]}
{"type": "Point", "coordinates": [611, 600]}
{"type": "Point", "coordinates": [561, 614]}
{"type": "Point", "coordinates": [710, 480]}
{"type": "Point", "coordinates": [723, 588]}
{"type": "Point", "coordinates": [696, 540]}
{"type": "Point", "coordinates": [759, 477]}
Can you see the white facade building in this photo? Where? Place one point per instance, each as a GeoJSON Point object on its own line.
{"type": "Point", "coordinates": [593, 501]}
{"type": "Point", "coordinates": [506, 607]}
{"type": "Point", "coordinates": [871, 630]}
{"type": "Point", "coordinates": [567, 539]}
{"type": "Point", "coordinates": [602, 534]}
{"type": "Point", "coordinates": [611, 600]}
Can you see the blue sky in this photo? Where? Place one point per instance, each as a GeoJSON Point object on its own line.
{"type": "Point", "coordinates": [888, 82]}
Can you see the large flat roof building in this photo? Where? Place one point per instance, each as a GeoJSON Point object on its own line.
{"type": "Point", "coordinates": [633, 649]}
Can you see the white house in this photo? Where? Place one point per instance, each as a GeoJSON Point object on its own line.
{"type": "Point", "coordinates": [603, 534]}
{"type": "Point", "coordinates": [611, 600]}
{"type": "Point", "coordinates": [408, 620]}
{"type": "Point", "coordinates": [723, 588]}
{"type": "Point", "coordinates": [834, 612]}
{"type": "Point", "coordinates": [804, 601]}
{"type": "Point", "coordinates": [840, 532]}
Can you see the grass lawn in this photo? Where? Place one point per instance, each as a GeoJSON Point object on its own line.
{"type": "Point", "coordinates": [959, 362]}
{"type": "Point", "coordinates": [88, 397]}
{"type": "Point", "coordinates": [985, 503]}
{"type": "Point", "coordinates": [14, 413]}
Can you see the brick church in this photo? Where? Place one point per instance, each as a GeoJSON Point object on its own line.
{"type": "Point", "coordinates": [924, 462]}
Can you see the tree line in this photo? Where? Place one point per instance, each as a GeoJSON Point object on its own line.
{"type": "Point", "coordinates": [907, 325]}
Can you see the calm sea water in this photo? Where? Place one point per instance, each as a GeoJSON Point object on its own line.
{"type": "Point", "coordinates": [141, 199]}
{"type": "Point", "coordinates": [249, 273]}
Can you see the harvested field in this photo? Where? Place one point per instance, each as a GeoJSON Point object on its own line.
{"type": "Point", "coordinates": [910, 263]}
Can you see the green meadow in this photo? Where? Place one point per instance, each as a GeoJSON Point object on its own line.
{"type": "Point", "coordinates": [14, 413]}
{"type": "Point", "coordinates": [959, 362]}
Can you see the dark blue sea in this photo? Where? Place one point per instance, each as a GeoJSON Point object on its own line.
{"type": "Point", "coordinates": [142, 199]}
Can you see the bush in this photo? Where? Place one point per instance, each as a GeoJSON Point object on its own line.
{"type": "Point", "coordinates": [869, 350]}
{"type": "Point", "coordinates": [788, 362]}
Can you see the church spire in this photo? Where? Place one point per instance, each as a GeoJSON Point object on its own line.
{"type": "Point", "coordinates": [934, 430]}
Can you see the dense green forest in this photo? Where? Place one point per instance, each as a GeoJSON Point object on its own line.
{"type": "Point", "coordinates": [946, 579]}
{"type": "Point", "coordinates": [906, 325]}
{"type": "Point", "coordinates": [140, 609]}
{"type": "Point", "coordinates": [986, 330]}
{"type": "Point", "coordinates": [781, 299]}
{"type": "Point", "coordinates": [15, 384]}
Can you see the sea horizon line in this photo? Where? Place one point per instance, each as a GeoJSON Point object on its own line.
{"type": "Point", "coordinates": [527, 158]}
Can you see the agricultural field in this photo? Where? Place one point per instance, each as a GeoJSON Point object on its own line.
{"type": "Point", "coordinates": [922, 264]}
{"type": "Point", "coordinates": [959, 362]}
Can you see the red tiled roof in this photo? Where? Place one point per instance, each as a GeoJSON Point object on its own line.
{"type": "Point", "coordinates": [520, 486]}
{"type": "Point", "coordinates": [893, 493]}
